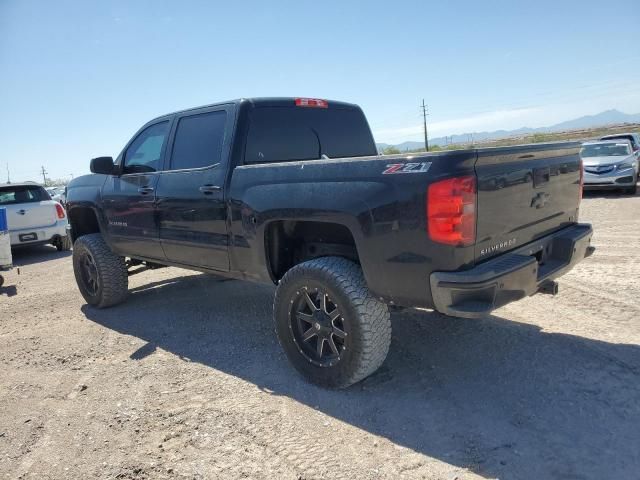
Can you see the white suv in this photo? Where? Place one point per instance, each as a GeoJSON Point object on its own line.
{"type": "Point", "coordinates": [32, 217]}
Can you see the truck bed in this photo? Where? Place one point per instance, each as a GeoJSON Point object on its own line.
{"type": "Point", "coordinates": [523, 193]}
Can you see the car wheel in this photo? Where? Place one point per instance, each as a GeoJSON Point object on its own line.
{"type": "Point", "coordinates": [633, 190]}
{"type": "Point", "coordinates": [1, 281]}
{"type": "Point", "coordinates": [334, 332]}
{"type": "Point", "coordinates": [63, 244]}
{"type": "Point", "coordinates": [101, 275]}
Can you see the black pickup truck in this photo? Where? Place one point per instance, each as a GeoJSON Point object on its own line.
{"type": "Point", "coordinates": [292, 192]}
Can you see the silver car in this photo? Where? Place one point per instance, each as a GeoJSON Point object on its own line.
{"type": "Point", "coordinates": [610, 164]}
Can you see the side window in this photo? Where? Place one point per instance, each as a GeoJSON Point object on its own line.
{"type": "Point", "coordinates": [143, 155]}
{"type": "Point", "coordinates": [198, 140]}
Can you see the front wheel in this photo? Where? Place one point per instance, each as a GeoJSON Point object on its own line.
{"type": "Point", "coordinates": [101, 275]}
{"type": "Point", "coordinates": [334, 332]}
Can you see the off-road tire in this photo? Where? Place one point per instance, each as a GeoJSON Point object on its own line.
{"type": "Point", "coordinates": [366, 318]}
{"type": "Point", "coordinates": [63, 244]}
{"type": "Point", "coordinates": [113, 281]}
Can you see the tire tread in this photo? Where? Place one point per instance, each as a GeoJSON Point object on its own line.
{"type": "Point", "coordinates": [111, 269]}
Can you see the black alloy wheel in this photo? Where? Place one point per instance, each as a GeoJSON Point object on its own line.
{"type": "Point", "coordinates": [89, 273]}
{"type": "Point", "coordinates": [318, 326]}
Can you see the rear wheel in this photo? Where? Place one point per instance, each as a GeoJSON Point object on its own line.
{"type": "Point", "coordinates": [101, 275]}
{"type": "Point", "coordinates": [334, 332]}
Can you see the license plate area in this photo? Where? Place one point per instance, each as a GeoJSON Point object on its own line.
{"type": "Point", "coordinates": [28, 237]}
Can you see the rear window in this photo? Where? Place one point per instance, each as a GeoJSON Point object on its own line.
{"type": "Point", "coordinates": [282, 134]}
{"type": "Point", "coordinates": [605, 150]}
{"type": "Point", "coordinates": [22, 194]}
{"type": "Point", "coordinates": [621, 137]}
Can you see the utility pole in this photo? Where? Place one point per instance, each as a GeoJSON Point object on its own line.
{"type": "Point", "coordinates": [8, 176]}
{"type": "Point", "coordinates": [424, 118]}
{"type": "Point", "coordinates": [44, 176]}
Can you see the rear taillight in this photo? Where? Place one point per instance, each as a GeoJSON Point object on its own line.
{"type": "Point", "coordinates": [451, 211]}
{"type": "Point", "coordinates": [60, 211]}
{"type": "Point", "coordinates": [581, 180]}
{"type": "Point", "coordinates": [311, 102]}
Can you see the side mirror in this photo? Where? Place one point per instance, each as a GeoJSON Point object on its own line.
{"type": "Point", "coordinates": [103, 165]}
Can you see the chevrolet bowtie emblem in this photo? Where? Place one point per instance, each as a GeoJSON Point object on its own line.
{"type": "Point", "coordinates": [540, 200]}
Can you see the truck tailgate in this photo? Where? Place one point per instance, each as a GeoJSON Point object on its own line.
{"type": "Point", "coordinates": [525, 192]}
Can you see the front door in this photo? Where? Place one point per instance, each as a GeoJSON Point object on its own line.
{"type": "Point", "coordinates": [129, 198]}
{"type": "Point", "coordinates": [190, 194]}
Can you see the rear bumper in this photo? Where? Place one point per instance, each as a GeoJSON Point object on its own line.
{"type": "Point", "coordinates": [43, 234]}
{"type": "Point", "coordinates": [476, 292]}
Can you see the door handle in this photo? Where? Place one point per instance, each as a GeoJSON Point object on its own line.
{"type": "Point", "coordinates": [145, 190]}
{"type": "Point", "coordinates": [209, 189]}
{"type": "Point", "coordinates": [21, 212]}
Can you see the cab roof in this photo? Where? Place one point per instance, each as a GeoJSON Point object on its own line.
{"type": "Point", "coordinates": [20, 184]}
{"type": "Point", "coordinates": [612, 141]}
{"type": "Point", "coordinates": [616, 135]}
{"type": "Point", "coordinates": [260, 102]}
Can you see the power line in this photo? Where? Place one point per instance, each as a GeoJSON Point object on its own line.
{"type": "Point", "coordinates": [424, 119]}
{"type": "Point", "coordinates": [44, 176]}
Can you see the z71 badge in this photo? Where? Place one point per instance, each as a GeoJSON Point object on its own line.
{"type": "Point", "coordinates": [421, 167]}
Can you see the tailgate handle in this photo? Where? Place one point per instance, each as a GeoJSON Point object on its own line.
{"type": "Point", "coordinates": [541, 176]}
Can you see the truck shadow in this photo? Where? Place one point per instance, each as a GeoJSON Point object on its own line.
{"type": "Point", "coordinates": [502, 398]}
{"type": "Point", "coordinates": [23, 256]}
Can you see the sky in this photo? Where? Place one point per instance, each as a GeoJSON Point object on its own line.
{"type": "Point", "coordinates": [78, 78]}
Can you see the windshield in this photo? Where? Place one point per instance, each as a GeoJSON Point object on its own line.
{"type": "Point", "coordinates": [22, 194]}
{"type": "Point", "coordinates": [606, 150]}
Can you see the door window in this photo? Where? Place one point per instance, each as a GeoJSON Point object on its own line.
{"type": "Point", "coordinates": [144, 155]}
{"type": "Point", "coordinates": [198, 141]}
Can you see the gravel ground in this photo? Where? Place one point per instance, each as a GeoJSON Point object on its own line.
{"type": "Point", "coordinates": [186, 380]}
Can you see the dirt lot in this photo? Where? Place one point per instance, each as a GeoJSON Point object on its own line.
{"type": "Point", "coordinates": [186, 380]}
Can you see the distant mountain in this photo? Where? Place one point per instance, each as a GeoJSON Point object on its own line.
{"type": "Point", "coordinates": [608, 117]}
{"type": "Point", "coordinates": [402, 146]}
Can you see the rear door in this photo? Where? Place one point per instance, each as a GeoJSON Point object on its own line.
{"type": "Point", "coordinates": [191, 206]}
{"type": "Point", "coordinates": [129, 198]}
{"type": "Point", "coordinates": [524, 193]}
